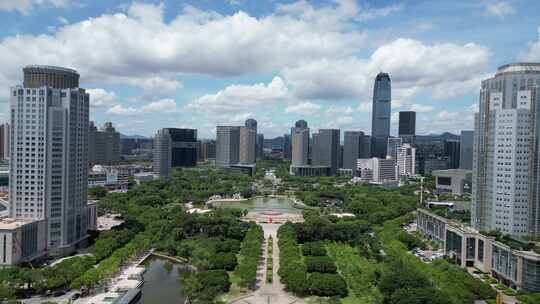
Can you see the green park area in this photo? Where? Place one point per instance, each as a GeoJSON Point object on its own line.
{"type": "Point", "coordinates": [325, 259]}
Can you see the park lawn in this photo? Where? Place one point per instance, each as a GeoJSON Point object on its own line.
{"type": "Point", "coordinates": [358, 272]}
{"type": "Point", "coordinates": [235, 291]}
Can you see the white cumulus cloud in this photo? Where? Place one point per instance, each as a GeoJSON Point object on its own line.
{"type": "Point", "coordinates": [236, 97]}
{"type": "Point", "coordinates": [100, 97]}
{"type": "Point", "coordinates": [533, 51]}
{"type": "Point", "coordinates": [500, 9]}
{"type": "Point", "coordinates": [25, 6]}
{"type": "Point", "coordinates": [160, 106]}
{"type": "Point", "coordinates": [303, 108]}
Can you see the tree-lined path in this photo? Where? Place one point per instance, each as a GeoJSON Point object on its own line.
{"type": "Point", "coordinates": [269, 293]}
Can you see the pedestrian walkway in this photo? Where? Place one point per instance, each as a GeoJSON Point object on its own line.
{"type": "Point", "coordinates": [269, 293]}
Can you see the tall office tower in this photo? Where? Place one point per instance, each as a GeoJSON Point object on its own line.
{"type": "Point", "coordinates": [227, 145]}
{"type": "Point", "coordinates": [380, 115]}
{"type": "Point", "coordinates": [4, 141]}
{"type": "Point", "coordinates": [248, 142]}
{"type": "Point", "coordinates": [49, 150]}
{"type": "Point", "coordinates": [301, 124]}
{"type": "Point", "coordinates": [287, 145]}
{"type": "Point", "coordinates": [352, 146]}
{"type": "Point", "coordinates": [452, 151]}
{"type": "Point", "coordinates": [365, 147]}
{"type": "Point", "coordinates": [103, 145]}
{"type": "Point", "coordinates": [248, 139]}
{"type": "Point", "coordinates": [300, 144]}
{"type": "Point", "coordinates": [200, 155]}
{"type": "Point", "coordinates": [174, 148]}
{"type": "Point", "coordinates": [92, 134]}
{"type": "Point", "coordinates": [209, 149]}
{"type": "Point", "coordinates": [393, 144]}
{"type": "Point", "coordinates": [340, 157]}
{"type": "Point", "coordinates": [466, 143]}
{"type": "Point", "coordinates": [406, 160]}
{"type": "Point", "coordinates": [407, 126]}
{"type": "Point", "coordinates": [505, 192]}
{"type": "Point", "coordinates": [251, 124]}
{"type": "Point", "coordinates": [260, 145]}
{"type": "Point", "coordinates": [326, 147]}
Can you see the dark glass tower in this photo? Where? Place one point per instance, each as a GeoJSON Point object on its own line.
{"type": "Point", "coordinates": [380, 120]}
{"type": "Point", "coordinates": [407, 126]}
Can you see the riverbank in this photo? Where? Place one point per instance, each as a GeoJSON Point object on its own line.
{"type": "Point", "coordinates": [131, 280]}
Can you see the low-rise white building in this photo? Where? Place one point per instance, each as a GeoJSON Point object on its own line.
{"type": "Point", "coordinates": [376, 170]}
{"type": "Point", "coordinates": [455, 181]}
{"type": "Point", "coordinates": [21, 240]}
{"type": "Point", "coordinates": [92, 215]}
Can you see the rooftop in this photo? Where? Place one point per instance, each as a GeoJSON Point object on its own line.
{"type": "Point", "coordinates": [51, 67]}
{"type": "Point", "coordinates": [11, 223]}
{"type": "Point", "coordinates": [451, 172]}
{"type": "Point", "coordinates": [520, 67]}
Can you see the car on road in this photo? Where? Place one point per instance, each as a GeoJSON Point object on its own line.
{"type": "Point", "coordinates": [59, 293]}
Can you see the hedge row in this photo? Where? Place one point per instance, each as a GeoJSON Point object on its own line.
{"type": "Point", "coordinates": [250, 254]}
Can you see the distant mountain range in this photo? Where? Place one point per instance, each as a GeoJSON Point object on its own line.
{"type": "Point", "coordinates": [443, 136]}
{"type": "Point", "coordinates": [135, 136]}
{"type": "Point", "coordinates": [277, 142]}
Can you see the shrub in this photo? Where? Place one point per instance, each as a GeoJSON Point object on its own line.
{"type": "Point", "coordinates": [226, 261]}
{"type": "Point", "coordinates": [313, 248]}
{"type": "Point", "coordinates": [327, 285]}
{"type": "Point", "coordinates": [321, 264]}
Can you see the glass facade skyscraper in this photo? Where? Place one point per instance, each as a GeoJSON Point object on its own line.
{"type": "Point", "coordinates": [380, 120]}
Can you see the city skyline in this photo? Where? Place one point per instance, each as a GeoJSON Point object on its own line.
{"type": "Point", "coordinates": [329, 86]}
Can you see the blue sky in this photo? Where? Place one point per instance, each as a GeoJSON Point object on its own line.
{"type": "Point", "coordinates": [153, 64]}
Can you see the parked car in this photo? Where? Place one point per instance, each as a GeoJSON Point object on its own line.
{"type": "Point", "coordinates": [75, 296]}
{"type": "Point", "coordinates": [59, 293]}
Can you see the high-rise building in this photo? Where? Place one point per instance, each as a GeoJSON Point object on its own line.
{"type": "Point", "coordinates": [260, 146]}
{"type": "Point", "coordinates": [49, 150]}
{"type": "Point", "coordinates": [430, 155]}
{"type": "Point", "coordinates": [365, 147]}
{"type": "Point", "coordinates": [174, 148]}
{"type": "Point", "coordinates": [353, 145]}
{"type": "Point", "coordinates": [251, 123]}
{"type": "Point", "coordinates": [103, 145]}
{"type": "Point", "coordinates": [208, 148]}
{"type": "Point", "coordinates": [466, 143]}
{"type": "Point", "coordinates": [392, 148]}
{"type": "Point", "coordinates": [380, 115]}
{"type": "Point", "coordinates": [248, 143]}
{"type": "Point", "coordinates": [4, 141]}
{"type": "Point", "coordinates": [301, 124]}
{"type": "Point", "coordinates": [407, 126]}
{"type": "Point", "coordinates": [326, 147]}
{"type": "Point", "coordinates": [452, 151]}
{"type": "Point", "coordinates": [406, 160]}
{"type": "Point", "coordinates": [300, 144]}
{"type": "Point", "coordinates": [200, 155]}
{"type": "Point", "coordinates": [505, 191]}
{"type": "Point", "coordinates": [287, 145]}
{"type": "Point", "coordinates": [227, 145]}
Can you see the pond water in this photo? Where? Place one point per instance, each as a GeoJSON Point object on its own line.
{"type": "Point", "coordinates": [262, 204]}
{"type": "Point", "coordinates": [161, 282]}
